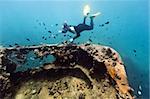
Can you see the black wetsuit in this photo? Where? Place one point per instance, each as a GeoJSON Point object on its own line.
{"type": "Point", "coordinates": [81, 27]}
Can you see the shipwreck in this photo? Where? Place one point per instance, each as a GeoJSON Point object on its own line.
{"type": "Point", "coordinates": [85, 71]}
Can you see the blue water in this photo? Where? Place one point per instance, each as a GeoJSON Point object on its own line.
{"type": "Point", "coordinates": [127, 29]}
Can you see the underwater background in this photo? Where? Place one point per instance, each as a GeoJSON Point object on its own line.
{"type": "Point", "coordinates": [123, 25]}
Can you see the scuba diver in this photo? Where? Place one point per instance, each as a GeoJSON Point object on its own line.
{"type": "Point", "coordinates": [82, 26]}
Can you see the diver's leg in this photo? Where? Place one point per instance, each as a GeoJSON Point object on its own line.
{"type": "Point", "coordinates": [91, 23]}
{"type": "Point", "coordinates": [84, 20]}
{"type": "Point", "coordinates": [81, 27]}
{"type": "Point", "coordinates": [88, 27]}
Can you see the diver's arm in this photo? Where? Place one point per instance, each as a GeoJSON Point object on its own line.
{"type": "Point", "coordinates": [78, 34]}
{"type": "Point", "coordinates": [72, 39]}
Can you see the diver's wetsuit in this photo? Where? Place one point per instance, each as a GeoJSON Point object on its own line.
{"type": "Point", "coordinates": [83, 26]}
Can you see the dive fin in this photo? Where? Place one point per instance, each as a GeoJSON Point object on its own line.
{"type": "Point", "coordinates": [94, 15]}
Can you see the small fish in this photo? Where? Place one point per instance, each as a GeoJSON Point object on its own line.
{"type": "Point", "coordinates": [56, 34]}
{"type": "Point", "coordinates": [134, 51]}
{"type": "Point", "coordinates": [42, 37]}
{"type": "Point", "coordinates": [78, 43]}
{"type": "Point", "coordinates": [101, 25]}
{"type": "Point", "coordinates": [49, 31]}
{"type": "Point", "coordinates": [10, 46]}
{"type": "Point", "coordinates": [90, 40]}
{"type": "Point", "coordinates": [28, 39]}
{"type": "Point", "coordinates": [107, 22]}
{"type": "Point", "coordinates": [87, 44]}
{"type": "Point", "coordinates": [56, 24]}
{"type": "Point", "coordinates": [16, 44]}
{"type": "Point", "coordinates": [43, 23]}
